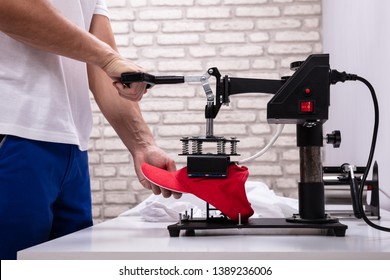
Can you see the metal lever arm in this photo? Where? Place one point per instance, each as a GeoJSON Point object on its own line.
{"type": "Point", "coordinates": [245, 85]}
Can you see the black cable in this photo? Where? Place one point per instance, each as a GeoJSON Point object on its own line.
{"type": "Point", "coordinates": [342, 77]}
{"type": "Point", "coordinates": [371, 155]}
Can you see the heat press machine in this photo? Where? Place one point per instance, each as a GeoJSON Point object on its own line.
{"type": "Point", "coordinates": [302, 99]}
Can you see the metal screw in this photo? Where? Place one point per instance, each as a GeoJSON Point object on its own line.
{"type": "Point", "coordinates": [180, 218]}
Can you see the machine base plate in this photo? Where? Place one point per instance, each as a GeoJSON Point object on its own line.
{"type": "Point", "coordinates": [331, 228]}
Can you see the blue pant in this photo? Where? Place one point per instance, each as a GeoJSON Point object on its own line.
{"type": "Point", "coordinates": [44, 193]}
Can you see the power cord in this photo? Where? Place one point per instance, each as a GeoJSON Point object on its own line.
{"type": "Point", "coordinates": [335, 77]}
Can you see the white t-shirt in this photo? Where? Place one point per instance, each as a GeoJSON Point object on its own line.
{"type": "Point", "coordinates": [45, 96]}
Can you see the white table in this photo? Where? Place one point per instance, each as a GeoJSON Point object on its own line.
{"type": "Point", "coordinates": [132, 238]}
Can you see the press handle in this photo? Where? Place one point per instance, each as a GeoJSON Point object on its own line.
{"type": "Point", "coordinates": [151, 80]}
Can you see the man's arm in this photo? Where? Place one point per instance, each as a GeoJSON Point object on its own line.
{"type": "Point", "coordinates": [38, 24]}
{"type": "Point", "coordinates": [125, 116]}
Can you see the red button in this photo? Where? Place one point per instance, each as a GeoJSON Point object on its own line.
{"type": "Point", "coordinates": [307, 106]}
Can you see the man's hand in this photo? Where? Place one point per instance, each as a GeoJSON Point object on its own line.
{"type": "Point", "coordinates": [156, 157]}
{"type": "Point", "coordinates": [114, 70]}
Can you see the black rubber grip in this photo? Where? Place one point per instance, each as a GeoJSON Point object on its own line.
{"type": "Point", "coordinates": [151, 80]}
{"type": "Point", "coordinates": [137, 77]}
{"type": "Point", "coordinates": [169, 79]}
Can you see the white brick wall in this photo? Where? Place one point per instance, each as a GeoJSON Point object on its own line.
{"type": "Point", "coordinates": [243, 38]}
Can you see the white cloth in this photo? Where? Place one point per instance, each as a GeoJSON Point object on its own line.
{"type": "Point", "coordinates": [156, 208]}
{"type": "Point", "coordinates": [267, 204]}
{"type": "Point", "coordinates": [155, 211]}
{"type": "Point", "coordinates": [264, 202]}
{"type": "Point", "coordinates": [46, 96]}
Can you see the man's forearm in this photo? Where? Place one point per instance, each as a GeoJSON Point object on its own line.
{"type": "Point", "coordinates": [124, 116]}
{"type": "Point", "coordinates": [38, 24]}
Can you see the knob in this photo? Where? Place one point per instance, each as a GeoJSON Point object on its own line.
{"type": "Point", "coordinates": [334, 138]}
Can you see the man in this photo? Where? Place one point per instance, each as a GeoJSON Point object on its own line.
{"type": "Point", "coordinates": [47, 61]}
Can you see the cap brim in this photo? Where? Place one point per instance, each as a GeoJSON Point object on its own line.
{"type": "Point", "coordinates": [162, 178]}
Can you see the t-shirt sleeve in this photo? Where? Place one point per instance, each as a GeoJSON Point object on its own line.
{"type": "Point", "coordinates": [101, 8]}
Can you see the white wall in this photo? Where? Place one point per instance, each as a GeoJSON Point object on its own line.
{"type": "Point", "coordinates": [356, 34]}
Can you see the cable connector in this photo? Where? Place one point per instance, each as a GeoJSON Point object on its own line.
{"type": "Point", "coordinates": [336, 76]}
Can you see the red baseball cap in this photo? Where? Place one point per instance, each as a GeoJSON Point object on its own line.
{"type": "Point", "coordinates": [226, 194]}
